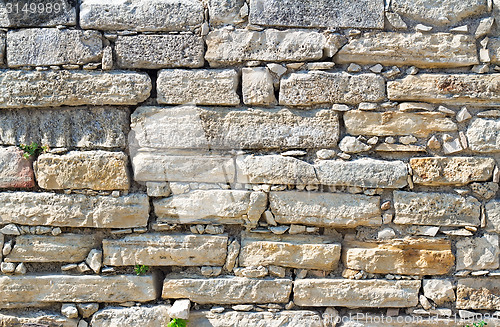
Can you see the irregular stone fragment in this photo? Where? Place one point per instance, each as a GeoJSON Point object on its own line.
{"type": "Point", "coordinates": [478, 294]}
{"type": "Point", "coordinates": [87, 309]}
{"type": "Point", "coordinates": [493, 216]}
{"type": "Point", "coordinates": [36, 318]}
{"type": "Point", "coordinates": [151, 316]}
{"type": "Point", "coordinates": [439, 290]}
{"type": "Point", "coordinates": [494, 50]}
{"type": "Point", "coordinates": [484, 135]}
{"type": "Point", "coordinates": [300, 318]}
{"type": "Point", "coordinates": [94, 260]}
{"type": "Point", "coordinates": [69, 310]}
{"type": "Point", "coordinates": [351, 144]}
{"type": "Point", "coordinates": [15, 169]}
{"type": "Point", "coordinates": [60, 12]}
{"type": "Point", "coordinates": [258, 86]}
{"type": "Point", "coordinates": [225, 12]}
{"type": "Point", "coordinates": [478, 253]}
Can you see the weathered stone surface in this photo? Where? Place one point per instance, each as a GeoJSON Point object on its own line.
{"type": "Point", "coordinates": [483, 135]}
{"type": "Point", "coordinates": [420, 124]}
{"type": "Point", "coordinates": [473, 89]}
{"type": "Point", "coordinates": [441, 209]}
{"type": "Point", "coordinates": [478, 253]}
{"type": "Point", "coordinates": [372, 320]}
{"type": "Point", "coordinates": [439, 12]}
{"type": "Point", "coordinates": [258, 86]}
{"type": "Point", "coordinates": [75, 210]}
{"type": "Point", "coordinates": [295, 251]}
{"type": "Point", "coordinates": [56, 12]}
{"type": "Point", "coordinates": [95, 170]}
{"type": "Point", "coordinates": [439, 50]}
{"type": "Point", "coordinates": [356, 293]}
{"type": "Point", "coordinates": [203, 86]}
{"type": "Point", "coordinates": [325, 13]}
{"type": "Point", "coordinates": [435, 171]}
{"type": "Point", "coordinates": [409, 256]}
{"type": "Point", "coordinates": [188, 127]}
{"type": "Point", "coordinates": [494, 50]}
{"type": "Point", "coordinates": [166, 250]}
{"type": "Point", "coordinates": [221, 206]}
{"type": "Point", "coordinates": [52, 46]}
{"type": "Point", "coordinates": [26, 89]}
{"type": "Point", "coordinates": [159, 51]}
{"type": "Point", "coordinates": [325, 209]}
{"type": "Point", "coordinates": [493, 216]}
{"type": "Point", "coordinates": [225, 12]}
{"type": "Point", "coordinates": [366, 172]}
{"type": "Point", "coordinates": [298, 318]}
{"type": "Point", "coordinates": [317, 87]}
{"type": "Point", "coordinates": [41, 248]}
{"type": "Point", "coordinates": [39, 289]}
{"type": "Point", "coordinates": [230, 290]}
{"type": "Point", "coordinates": [151, 316]}
{"type": "Point", "coordinates": [226, 47]}
{"type": "Point", "coordinates": [478, 293]}
{"type": "Point", "coordinates": [36, 318]}
{"type": "Point", "coordinates": [439, 290]}
{"type": "Point", "coordinates": [15, 170]}
{"type": "Point", "coordinates": [141, 15]}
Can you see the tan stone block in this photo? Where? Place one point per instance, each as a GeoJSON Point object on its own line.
{"type": "Point", "coordinates": [478, 294]}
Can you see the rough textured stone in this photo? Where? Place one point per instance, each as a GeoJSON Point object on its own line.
{"type": "Point", "coordinates": [230, 290]}
{"type": "Point", "coordinates": [52, 46]}
{"type": "Point", "coordinates": [440, 50]}
{"type": "Point", "coordinates": [439, 209]}
{"type": "Point", "coordinates": [317, 87]}
{"type": "Point", "coordinates": [95, 170]}
{"type": "Point", "coordinates": [12, 15]}
{"type": "Point", "coordinates": [76, 210]}
{"type": "Point", "coordinates": [257, 86]}
{"type": "Point", "coordinates": [204, 86]}
{"type": "Point", "coordinates": [63, 248]}
{"type": "Point", "coordinates": [325, 209]}
{"type": "Point", "coordinates": [159, 51]}
{"type": "Point", "coordinates": [478, 253]}
{"type": "Point", "coordinates": [36, 318]}
{"type": "Point", "coordinates": [420, 124]}
{"type": "Point", "coordinates": [225, 12]}
{"type": "Point", "coordinates": [409, 256]}
{"type": "Point", "coordinates": [15, 170]}
{"type": "Point", "coordinates": [356, 293]}
{"type": "Point", "coordinates": [447, 88]}
{"type": "Point", "coordinates": [493, 216]}
{"type": "Point", "coordinates": [324, 13]}
{"type": "Point", "coordinates": [437, 171]}
{"type": "Point", "coordinates": [483, 135]}
{"type": "Point", "coordinates": [494, 50]}
{"type": "Point", "coordinates": [151, 316]}
{"type": "Point", "coordinates": [439, 290]}
{"type": "Point", "coordinates": [478, 294]}
{"type": "Point", "coordinates": [298, 318]}
{"type": "Point", "coordinates": [226, 47]}
{"type": "Point", "coordinates": [366, 172]}
{"type": "Point", "coordinates": [27, 89]}
{"type": "Point", "coordinates": [141, 15]}
{"type": "Point", "coordinates": [295, 251]}
{"type": "Point", "coordinates": [39, 289]}
{"type": "Point", "coordinates": [202, 128]}
{"type": "Point", "coordinates": [166, 250]}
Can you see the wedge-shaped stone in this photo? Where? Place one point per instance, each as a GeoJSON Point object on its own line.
{"type": "Point", "coordinates": [204, 86]}
{"type": "Point", "coordinates": [440, 209]}
{"type": "Point", "coordinates": [188, 127]}
{"type": "Point", "coordinates": [41, 289]}
{"type": "Point", "coordinates": [411, 256]}
{"type": "Point", "coordinates": [364, 172]}
{"type": "Point", "coordinates": [74, 210]}
{"type": "Point", "coordinates": [325, 13]}
{"type": "Point", "coordinates": [317, 87]}
{"type": "Point", "coordinates": [52, 88]}
{"type": "Point", "coordinates": [36, 318]}
{"type": "Point", "coordinates": [435, 171]}
{"type": "Point", "coordinates": [478, 293]}
{"type": "Point", "coordinates": [356, 293]}
{"type": "Point", "coordinates": [295, 251]}
{"type": "Point", "coordinates": [475, 89]}
{"type": "Point", "coordinates": [229, 290]}
{"type": "Point", "coordinates": [483, 135]}
{"type": "Point", "coordinates": [53, 13]}
{"type": "Point", "coordinates": [493, 216]}
{"type": "Point", "coordinates": [297, 318]}
{"type": "Point", "coordinates": [325, 209]}
{"type": "Point", "coordinates": [159, 51]}
{"type": "Point", "coordinates": [219, 206]}
{"type": "Point", "coordinates": [166, 250]}
{"type": "Point", "coordinates": [225, 47]}
{"type": "Point", "coordinates": [15, 170]}
{"type": "Point", "coordinates": [151, 316]}
{"type": "Point", "coordinates": [478, 253]}
{"type": "Point", "coordinates": [439, 50]}
{"type": "Point", "coordinates": [141, 15]}
{"type": "Point", "coordinates": [358, 122]}
{"type": "Point", "coordinates": [95, 170]}
{"type": "Point", "coordinates": [52, 46]}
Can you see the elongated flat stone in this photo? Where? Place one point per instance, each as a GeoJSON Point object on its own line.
{"type": "Point", "coordinates": [36, 318]}
{"type": "Point", "coordinates": [230, 290]}
{"type": "Point", "coordinates": [297, 318]}
{"type": "Point", "coordinates": [478, 294]}
{"type": "Point", "coordinates": [151, 316]}
{"type": "Point", "coordinates": [15, 170]}
{"type": "Point", "coordinates": [74, 210]}
{"type": "Point", "coordinates": [440, 209]}
{"type": "Point", "coordinates": [325, 209]}
{"type": "Point", "coordinates": [356, 293]}
{"type": "Point", "coordinates": [483, 135]}
{"type": "Point", "coordinates": [53, 88]}
{"type": "Point", "coordinates": [18, 13]}
{"type": "Point", "coordinates": [166, 250]}
{"type": "Point", "coordinates": [420, 124]}
{"type": "Point", "coordinates": [317, 87]}
{"type": "Point", "coordinates": [439, 50]}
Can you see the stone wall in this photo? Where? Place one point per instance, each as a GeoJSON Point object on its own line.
{"type": "Point", "coordinates": [274, 162]}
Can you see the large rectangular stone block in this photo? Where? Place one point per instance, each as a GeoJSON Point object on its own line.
{"type": "Point", "coordinates": [317, 87]}
{"type": "Point", "coordinates": [325, 209]}
{"type": "Point", "coordinates": [478, 294]}
{"type": "Point", "coordinates": [373, 293]}
{"type": "Point", "coordinates": [40, 13]}
{"type": "Point", "coordinates": [151, 316]}
{"type": "Point", "coordinates": [36, 318]}
{"type": "Point", "coordinates": [74, 210]}
{"type": "Point", "coordinates": [296, 318]}
{"type": "Point", "coordinates": [483, 135]}
{"type": "Point", "coordinates": [53, 88]}
{"type": "Point", "coordinates": [166, 250]}
{"type": "Point", "coordinates": [15, 169]}
{"type": "Point", "coordinates": [229, 290]}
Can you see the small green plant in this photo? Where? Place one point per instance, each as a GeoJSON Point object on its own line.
{"type": "Point", "coordinates": [176, 322]}
{"type": "Point", "coordinates": [33, 150]}
{"type": "Point", "coordinates": [141, 269]}
{"type": "Point", "coordinates": [478, 324]}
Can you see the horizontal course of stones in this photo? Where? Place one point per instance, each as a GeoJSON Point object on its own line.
{"type": "Point", "coordinates": [274, 163]}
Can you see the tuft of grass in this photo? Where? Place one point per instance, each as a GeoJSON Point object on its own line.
{"type": "Point", "coordinates": [482, 323]}
{"type": "Point", "coordinates": [141, 269]}
{"type": "Point", "coordinates": [33, 150]}
{"type": "Point", "coordinates": [176, 322]}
